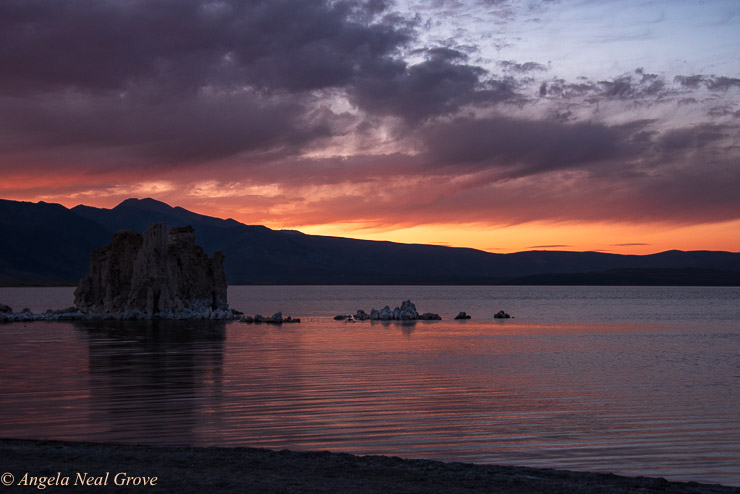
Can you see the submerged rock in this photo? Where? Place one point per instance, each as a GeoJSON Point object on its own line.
{"type": "Point", "coordinates": [462, 315]}
{"type": "Point", "coordinates": [160, 273]}
{"type": "Point", "coordinates": [501, 315]}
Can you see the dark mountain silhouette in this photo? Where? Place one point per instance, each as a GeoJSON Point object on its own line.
{"type": "Point", "coordinates": [42, 243]}
{"type": "Point", "coordinates": [50, 243]}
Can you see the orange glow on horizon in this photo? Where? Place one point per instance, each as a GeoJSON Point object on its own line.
{"type": "Point", "coordinates": [599, 237]}
{"type": "Point", "coordinates": [617, 238]}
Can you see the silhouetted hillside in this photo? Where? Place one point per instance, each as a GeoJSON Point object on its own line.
{"type": "Point", "coordinates": [45, 243]}
{"type": "Point", "coordinates": [48, 242]}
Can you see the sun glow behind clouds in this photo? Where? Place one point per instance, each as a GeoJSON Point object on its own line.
{"type": "Point", "coordinates": [215, 189]}
{"type": "Point", "coordinates": [551, 236]}
{"type": "Point", "coordinates": [272, 206]}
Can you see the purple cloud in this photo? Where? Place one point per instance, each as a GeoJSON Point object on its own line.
{"type": "Point", "coordinates": [349, 96]}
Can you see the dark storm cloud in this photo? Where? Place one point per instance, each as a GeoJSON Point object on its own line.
{"type": "Point", "coordinates": [522, 67]}
{"type": "Point", "coordinates": [524, 147]}
{"type": "Point", "coordinates": [164, 130]}
{"type": "Point", "coordinates": [446, 53]}
{"type": "Point", "coordinates": [635, 86]}
{"type": "Point", "coordinates": [190, 79]}
{"type": "Point", "coordinates": [274, 44]}
{"type": "Point", "coordinates": [185, 45]}
{"type": "Point", "coordinates": [435, 87]}
{"type": "Point", "coordinates": [690, 81]}
{"type": "Point", "coordinates": [722, 83]}
{"type": "Point", "coordinates": [712, 82]}
{"type": "Point", "coordinates": [196, 79]}
{"type": "Point", "coordinates": [699, 188]}
{"type": "Point", "coordinates": [696, 137]}
{"type": "Point", "coordinates": [561, 88]}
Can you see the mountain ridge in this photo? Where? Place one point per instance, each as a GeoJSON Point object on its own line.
{"type": "Point", "coordinates": [256, 254]}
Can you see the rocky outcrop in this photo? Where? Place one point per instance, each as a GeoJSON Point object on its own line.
{"type": "Point", "coordinates": [430, 316]}
{"type": "Point", "coordinates": [501, 315]}
{"type": "Point", "coordinates": [276, 318]}
{"type": "Point", "coordinates": [462, 315]}
{"type": "Point", "coordinates": [68, 314]}
{"type": "Point", "coordinates": [160, 273]}
{"type": "Point", "coordinates": [406, 312]}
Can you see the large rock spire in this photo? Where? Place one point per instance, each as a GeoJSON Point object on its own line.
{"type": "Point", "coordinates": [158, 274]}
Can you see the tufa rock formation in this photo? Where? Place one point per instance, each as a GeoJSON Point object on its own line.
{"type": "Point", "coordinates": [158, 274]}
{"type": "Point", "coordinates": [407, 312]}
{"type": "Point", "coordinates": [277, 318]}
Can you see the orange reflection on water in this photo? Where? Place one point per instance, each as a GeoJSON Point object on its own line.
{"type": "Point", "coordinates": [616, 398]}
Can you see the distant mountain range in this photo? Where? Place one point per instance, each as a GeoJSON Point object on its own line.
{"type": "Point", "coordinates": [45, 243]}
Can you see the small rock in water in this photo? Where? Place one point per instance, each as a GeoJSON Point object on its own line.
{"type": "Point", "coordinates": [5, 309]}
{"type": "Point", "coordinates": [501, 315]}
{"type": "Point", "coordinates": [462, 315]}
{"type": "Point", "coordinates": [361, 315]}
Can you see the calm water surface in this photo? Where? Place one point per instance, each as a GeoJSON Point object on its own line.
{"type": "Point", "coordinates": [637, 381]}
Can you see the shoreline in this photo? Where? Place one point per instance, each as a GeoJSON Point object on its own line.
{"type": "Point", "coordinates": [188, 469]}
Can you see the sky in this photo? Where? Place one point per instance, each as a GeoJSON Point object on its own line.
{"type": "Point", "coordinates": [500, 125]}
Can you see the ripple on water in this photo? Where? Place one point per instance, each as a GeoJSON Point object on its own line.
{"type": "Point", "coordinates": [647, 397]}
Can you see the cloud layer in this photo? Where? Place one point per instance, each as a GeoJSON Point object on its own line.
{"type": "Point", "coordinates": [299, 113]}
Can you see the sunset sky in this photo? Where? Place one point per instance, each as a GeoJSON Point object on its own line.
{"type": "Point", "coordinates": [494, 124]}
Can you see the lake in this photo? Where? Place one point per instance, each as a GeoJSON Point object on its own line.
{"type": "Point", "coordinates": [630, 380]}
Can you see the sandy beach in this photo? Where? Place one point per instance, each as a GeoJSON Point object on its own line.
{"type": "Point", "coordinates": [97, 467]}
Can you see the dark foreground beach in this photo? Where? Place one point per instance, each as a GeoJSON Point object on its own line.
{"type": "Point", "coordinates": [93, 467]}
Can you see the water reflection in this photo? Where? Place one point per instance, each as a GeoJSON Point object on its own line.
{"type": "Point", "coordinates": [406, 327]}
{"type": "Point", "coordinates": [150, 380]}
{"type": "Point", "coordinates": [638, 400]}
